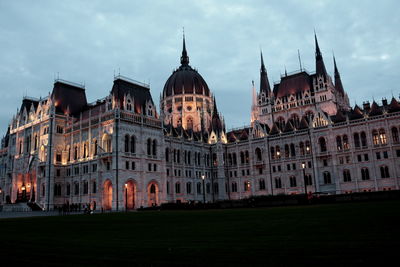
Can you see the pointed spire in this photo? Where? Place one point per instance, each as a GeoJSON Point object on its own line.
{"type": "Point", "coordinates": [319, 61]}
{"type": "Point", "coordinates": [184, 57]}
{"type": "Point", "coordinates": [264, 82]}
{"type": "Point", "coordinates": [338, 81]}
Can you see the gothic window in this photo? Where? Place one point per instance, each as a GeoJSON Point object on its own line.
{"type": "Point", "coordinates": [129, 105]}
{"type": "Point", "coordinates": [216, 188]}
{"type": "Point", "coordinates": [339, 143]}
{"type": "Point", "coordinates": [242, 157]}
{"type": "Point", "coordinates": [126, 143]}
{"type": "Point", "coordinates": [364, 139]}
{"type": "Point", "coordinates": [356, 140]}
{"type": "Point", "coordinates": [287, 152]}
{"type": "Point", "coordinates": [292, 181]}
{"type": "Point", "coordinates": [246, 186]}
{"type": "Point", "coordinates": [133, 144]}
{"type": "Point", "coordinates": [278, 183]}
{"type": "Point", "coordinates": [364, 174]}
{"type": "Point", "coordinates": [308, 179]}
{"type": "Point", "coordinates": [346, 145]}
{"type": "Point", "coordinates": [272, 153]}
{"type": "Point", "coordinates": [234, 187]}
{"type": "Point", "coordinates": [308, 147]}
{"type": "Point", "coordinates": [395, 135]}
{"type": "Point", "coordinates": [189, 123]}
{"type": "Point", "coordinates": [322, 144]}
{"type": "Point", "coordinates": [247, 156]}
{"type": "Point", "coordinates": [262, 184]}
{"type": "Point", "coordinates": [167, 154]}
{"type": "Point", "coordinates": [85, 187]}
{"type": "Point", "coordinates": [384, 172]}
{"type": "Point", "coordinates": [292, 150]}
{"type": "Point", "coordinates": [278, 152]}
{"type": "Point", "coordinates": [327, 178]}
{"type": "Point", "coordinates": [188, 188]}
{"type": "Point", "coordinates": [382, 136]}
{"type": "Point", "coordinates": [375, 137]}
{"type": "Point", "coordinates": [295, 120]}
{"type": "Point", "coordinates": [76, 188]}
{"type": "Point", "coordinates": [301, 145]}
{"type": "Point", "coordinates": [258, 154]}
{"type": "Point", "coordinates": [198, 187]}
{"type": "Point", "coordinates": [154, 147]}
{"type": "Point", "coordinates": [346, 176]}
{"type": "Point", "coordinates": [149, 146]}
{"type": "Point", "coordinates": [280, 123]}
{"type": "Point", "coordinates": [95, 147]}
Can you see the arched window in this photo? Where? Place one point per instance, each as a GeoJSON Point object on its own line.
{"type": "Point", "coordinates": [308, 179]}
{"type": "Point", "coordinates": [308, 147]}
{"type": "Point", "coordinates": [94, 187]}
{"type": "Point", "coordinates": [230, 159]}
{"type": "Point", "coordinates": [208, 188]}
{"type": "Point", "coordinates": [149, 146]}
{"type": "Point", "coordinates": [339, 143]}
{"type": "Point", "coordinates": [272, 153]}
{"type": "Point", "coordinates": [85, 187]}
{"type": "Point", "coordinates": [76, 188]}
{"type": "Point", "coordinates": [395, 135]}
{"type": "Point", "coordinates": [262, 184]}
{"type": "Point", "coordinates": [258, 154]}
{"type": "Point", "coordinates": [95, 147]}
{"type": "Point", "coordinates": [382, 136]}
{"type": "Point", "coordinates": [364, 139]}
{"type": "Point", "coordinates": [322, 144]}
{"type": "Point", "coordinates": [107, 143]}
{"type": "Point", "coordinates": [234, 187]}
{"type": "Point", "coordinates": [385, 172]}
{"type": "Point", "coordinates": [327, 178]}
{"type": "Point", "coordinates": [292, 150]}
{"type": "Point", "coordinates": [287, 152]}
{"type": "Point", "coordinates": [126, 143]}
{"type": "Point", "coordinates": [216, 188]}
{"type": "Point", "coordinates": [346, 176]}
{"type": "Point", "coordinates": [75, 152]}
{"type": "Point", "coordinates": [346, 145]}
{"type": "Point", "coordinates": [280, 123]}
{"type": "Point", "coordinates": [375, 137]}
{"type": "Point", "coordinates": [234, 159]}
{"type": "Point", "coordinates": [247, 156]}
{"type": "Point", "coordinates": [278, 152]}
{"type": "Point", "coordinates": [129, 105]}
{"type": "Point", "coordinates": [189, 123]}
{"type": "Point", "coordinates": [292, 181]}
{"type": "Point", "coordinates": [188, 187]}
{"type": "Point", "coordinates": [364, 174]}
{"type": "Point", "coordinates": [68, 191]}
{"type": "Point", "coordinates": [247, 186]}
{"type": "Point", "coordinates": [177, 188]}
{"type": "Point", "coordinates": [356, 140]}
{"type": "Point", "coordinates": [154, 147]}
{"type": "Point", "coordinates": [295, 120]}
{"type": "Point", "coordinates": [133, 144]}
{"type": "Point", "coordinates": [85, 150]}
{"type": "Point", "coordinates": [167, 154]}
{"type": "Point", "coordinates": [301, 146]}
{"type": "Point", "coordinates": [278, 183]}
{"type": "Point", "coordinates": [198, 187]}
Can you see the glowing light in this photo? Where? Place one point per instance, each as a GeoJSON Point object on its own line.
{"type": "Point", "coordinates": [126, 185]}
{"type": "Point", "coordinates": [303, 165]}
{"type": "Point", "coordinates": [202, 177]}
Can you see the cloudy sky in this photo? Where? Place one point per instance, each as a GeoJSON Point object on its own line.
{"type": "Point", "coordinates": [87, 41]}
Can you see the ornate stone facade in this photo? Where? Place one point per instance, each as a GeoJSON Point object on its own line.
{"type": "Point", "coordinates": [119, 153]}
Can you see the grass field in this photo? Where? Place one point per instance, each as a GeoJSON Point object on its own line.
{"type": "Point", "coordinates": [355, 234]}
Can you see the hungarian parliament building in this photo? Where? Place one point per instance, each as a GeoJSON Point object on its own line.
{"type": "Point", "coordinates": [121, 152]}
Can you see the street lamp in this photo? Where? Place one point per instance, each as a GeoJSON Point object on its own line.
{"type": "Point", "coordinates": [126, 197]}
{"type": "Point", "coordinates": [303, 166]}
{"type": "Point", "coordinates": [204, 191]}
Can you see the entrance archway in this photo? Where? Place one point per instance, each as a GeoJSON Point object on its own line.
{"type": "Point", "coordinates": [107, 195]}
{"type": "Point", "coordinates": [152, 194]}
{"type": "Point", "coordinates": [129, 194]}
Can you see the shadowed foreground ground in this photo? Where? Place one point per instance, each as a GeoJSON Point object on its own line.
{"type": "Point", "coordinates": [355, 234]}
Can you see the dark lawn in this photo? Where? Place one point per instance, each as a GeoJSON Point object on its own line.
{"type": "Point", "coordinates": [341, 234]}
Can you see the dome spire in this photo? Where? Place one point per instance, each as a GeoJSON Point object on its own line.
{"type": "Point", "coordinates": [338, 80]}
{"type": "Point", "coordinates": [184, 57]}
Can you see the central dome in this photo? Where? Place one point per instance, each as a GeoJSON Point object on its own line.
{"type": "Point", "coordinates": [185, 80]}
